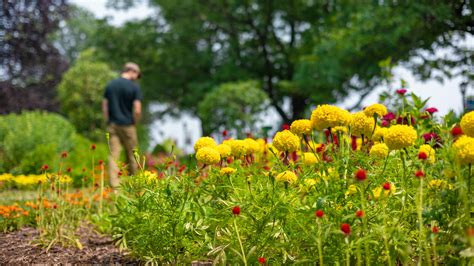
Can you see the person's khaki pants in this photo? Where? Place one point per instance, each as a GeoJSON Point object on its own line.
{"type": "Point", "coordinates": [125, 136]}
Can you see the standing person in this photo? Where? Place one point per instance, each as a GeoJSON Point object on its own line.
{"type": "Point", "coordinates": [122, 107]}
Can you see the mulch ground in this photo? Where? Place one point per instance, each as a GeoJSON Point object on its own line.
{"type": "Point", "coordinates": [17, 248]}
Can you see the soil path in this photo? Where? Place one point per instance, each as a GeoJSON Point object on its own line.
{"type": "Point", "coordinates": [17, 248]}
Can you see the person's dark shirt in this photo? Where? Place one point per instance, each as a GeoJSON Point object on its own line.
{"type": "Point", "coordinates": [120, 94]}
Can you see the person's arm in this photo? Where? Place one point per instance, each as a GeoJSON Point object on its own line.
{"type": "Point", "coordinates": [137, 110]}
{"type": "Point", "coordinates": [105, 110]}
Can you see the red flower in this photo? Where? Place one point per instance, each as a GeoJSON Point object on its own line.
{"type": "Point", "coordinates": [385, 123]}
{"type": "Point", "coordinates": [419, 174]}
{"type": "Point", "coordinates": [93, 147]}
{"type": "Point", "coordinates": [69, 169]}
{"type": "Point", "coordinates": [266, 168]}
{"type": "Point", "coordinates": [55, 206]}
{"type": "Point", "coordinates": [456, 131]}
{"type": "Point", "coordinates": [120, 173]}
{"type": "Point", "coordinates": [44, 167]}
{"type": "Point", "coordinates": [435, 229]}
{"type": "Point", "coordinates": [422, 155]}
{"type": "Point", "coordinates": [182, 168]}
{"type": "Point", "coordinates": [346, 229]}
{"type": "Point", "coordinates": [64, 154]}
{"type": "Point", "coordinates": [404, 120]}
{"type": "Point", "coordinates": [224, 133]}
{"type": "Point", "coordinates": [361, 175]}
{"type": "Point", "coordinates": [431, 110]}
{"type": "Point", "coordinates": [360, 213]}
{"type": "Point", "coordinates": [320, 148]}
{"type": "Point", "coordinates": [285, 126]}
{"type": "Point", "coordinates": [236, 210]}
{"type": "Point", "coordinates": [354, 143]}
{"type": "Point", "coordinates": [101, 162]}
{"type": "Point", "coordinates": [389, 116]}
{"type": "Point", "coordinates": [386, 186]}
{"type": "Point", "coordinates": [229, 160]}
{"type": "Point", "coordinates": [319, 213]}
{"type": "Point", "coordinates": [262, 260]}
{"type": "Point", "coordinates": [401, 91]}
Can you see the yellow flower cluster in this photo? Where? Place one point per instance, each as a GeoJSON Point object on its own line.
{"type": "Point", "coordinates": [208, 155]}
{"type": "Point", "coordinates": [227, 171]}
{"type": "Point", "coordinates": [329, 116]}
{"type": "Point", "coordinates": [379, 133]}
{"type": "Point", "coordinates": [377, 109]}
{"type": "Point", "coordinates": [352, 189]}
{"type": "Point", "coordinates": [238, 147]}
{"type": "Point", "coordinates": [439, 184]}
{"type": "Point", "coordinates": [430, 152]}
{"type": "Point", "coordinates": [287, 176]}
{"type": "Point", "coordinates": [204, 142]}
{"type": "Point", "coordinates": [378, 191]}
{"type": "Point", "coordinates": [464, 148]}
{"type": "Point", "coordinates": [286, 141]}
{"type": "Point", "coordinates": [339, 129]}
{"type": "Point", "coordinates": [400, 136]}
{"type": "Point", "coordinates": [301, 127]}
{"type": "Point", "coordinates": [309, 158]}
{"type": "Point", "coordinates": [467, 124]}
{"type": "Point", "coordinates": [379, 151]}
{"type": "Point", "coordinates": [252, 146]}
{"type": "Point", "coordinates": [224, 150]}
{"type": "Point", "coordinates": [362, 124]}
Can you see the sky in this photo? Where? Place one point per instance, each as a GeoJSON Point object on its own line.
{"type": "Point", "coordinates": [444, 96]}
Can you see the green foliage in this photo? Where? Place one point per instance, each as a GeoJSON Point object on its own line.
{"type": "Point", "coordinates": [81, 92]}
{"type": "Point", "coordinates": [232, 106]}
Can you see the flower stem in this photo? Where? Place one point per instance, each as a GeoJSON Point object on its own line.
{"type": "Point", "coordinates": [320, 243]}
{"type": "Point", "coordinates": [240, 242]}
{"type": "Point", "coordinates": [420, 221]}
{"type": "Point", "coordinates": [366, 232]}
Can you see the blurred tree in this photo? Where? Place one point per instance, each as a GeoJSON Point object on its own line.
{"type": "Point", "coordinates": [30, 65]}
{"type": "Point", "coordinates": [81, 91]}
{"type": "Point", "coordinates": [232, 106]}
{"type": "Point", "coordinates": [308, 51]}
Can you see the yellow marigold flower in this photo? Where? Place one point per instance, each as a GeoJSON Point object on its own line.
{"type": "Point", "coordinates": [150, 176]}
{"type": "Point", "coordinates": [379, 133]}
{"type": "Point", "coordinates": [400, 136]}
{"type": "Point", "coordinates": [224, 150]}
{"type": "Point", "coordinates": [287, 176]}
{"type": "Point", "coordinates": [65, 179]}
{"type": "Point", "coordinates": [204, 142]}
{"type": "Point", "coordinates": [378, 191]}
{"type": "Point", "coordinates": [379, 150]}
{"type": "Point", "coordinates": [301, 127]}
{"type": "Point", "coordinates": [6, 177]}
{"type": "Point", "coordinates": [286, 141]}
{"type": "Point", "coordinates": [263, 145]}
{"type": "Point", "coordinates": [238, 147]}
{"type": "Point", "coordinates": [464, 148]}
{"type": "Point", "coordinates": [252, 146]}
{"type": "Point", "coordinates": [339, 129]}
{"type": "Point", "coordinates": [362, 124]}
{"type": "Point", "coordinates": [329, 116]}
{"type": "Point", "coordinates": [467, 124]}
{"type": "Point", "coordinates": [430, 152]}
{"type": "Point", "coordinates": [227, 171]}
{"type": "Point", "coordinates": [309, 183]}
{"type": "Point", "coordinates": [376, 109]}
{"type": "Point", "coordinates": [439, 184]}
{"type": "Point", "coordinates": [352, 189]}
{"type": "Point", "coordinates": [208, 155]}
{"type": "Point", "coordinates": [309, 158]}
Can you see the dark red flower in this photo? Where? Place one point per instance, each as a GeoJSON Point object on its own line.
{"type": "Point", "coordinates": [385, 123]}
{"type": "Point", "coordinates": [361, 175]}
{"type": "Point", "coordinates": [346, 229]}
{"type": "Point", "coordinates": [44, 167]}
{"type": "Point", "coordinates": [422, 155]}
{"type": "Point", "coordinates": [267, 168]}
{"type": "Point", "coordinates": [319, 213]}
{"type": "Point", "coordinates": [419, 174]}
{"type": "Point", "coordinates": [64, 154]}
{"type": "Point", "coordinates": [236, 210]}
{"type": "Point", "coordinates": [456, 131]}
{"type": "Point", "coordinates": [224, 133]}
{"type": "Point", "coordinates": [120, 173]}
{"type": "Point", "coordinates": [401, 91]}
{"type": "Point", "coordinates": [432, 137]}
{"type": "Point", "coordinates": [101, 162]}
{"type": "Point", "coordinates": [404, 120]}
{"type": "Point", "coordinates": [262, 260]}
{"type": "Point", "coordinates": [386, 186]}
{"type": "Point", "coordinates": [285, 126]}
{"type": "Point", "coordinates": [431, 110]}
{"type": "Point", "coordinates": [435, 229]}
{"type": "Point", "coordinates": [69, 169]}
{"type": "Point", "coordinates": [354, 143]}
{"type": "Point", "coordinates": [321, 148]}
{"type": "Point", "coordinates": [389, 116]}
{"type": "Point", "coordinates": [55, 206]}
{"type": "Point", "coordinates": [182, 168]}
{"type": "Point", "coordinates": [360, 213]}
{"type": "Point", "coordinates": [93, 147]}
